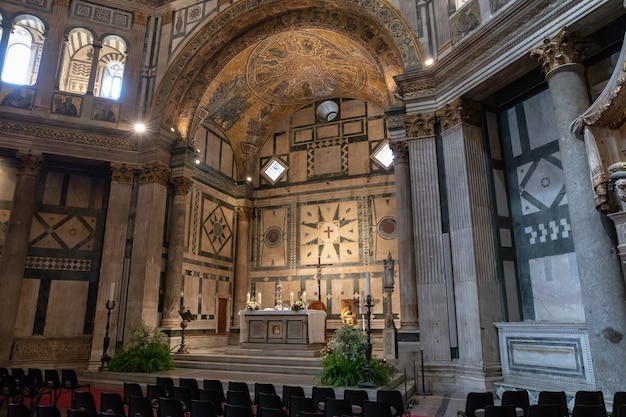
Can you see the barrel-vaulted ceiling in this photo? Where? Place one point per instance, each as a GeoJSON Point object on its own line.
{"type": "Point", "coordinates": [259, 61]}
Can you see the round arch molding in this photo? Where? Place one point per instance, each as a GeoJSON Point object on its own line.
{"type": "Point", "coordinates": [373, 24]}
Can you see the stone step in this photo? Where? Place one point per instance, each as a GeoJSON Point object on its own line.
{"type": "Point", "coordinates": [259, 369]}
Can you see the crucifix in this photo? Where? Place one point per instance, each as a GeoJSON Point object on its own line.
{"type": "Point", "coordinates": [318, 276]}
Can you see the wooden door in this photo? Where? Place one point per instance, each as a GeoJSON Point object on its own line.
{"type": "Point", "coordinates": [222, 315]}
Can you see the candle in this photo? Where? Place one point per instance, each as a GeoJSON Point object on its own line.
{"type": "Point", "coordinates": [303, 296]}
{"type": "Point", "coordinates": [248, 298]}
{"type": "Point", "coordinates": [367, 284]}
{"type": "Point", "coordinates": [112, 292]}
{"type": "Point", "coordinates": [258, 298]}
{"type": "Point", "coordinates": [291, 298]}
{"type": "Point", "coordinates": [363, 321]}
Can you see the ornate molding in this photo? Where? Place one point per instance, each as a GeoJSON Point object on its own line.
{"type": "Point", "coordinates": [395, 121]}
{"type": "Point", "coordinates": [49, 349]}
{"type": "Point", "coordinates": [420, 125]}
{"type": "Point", "coordinates": [122, 173]}
{"type": "Point", "coordinates": [417, 90]}
{"type": "Point", "coordinates": [400, 151]}
{"type": "Point", "coordinates": [29, 164]}
{"type": "Point", "coordinates": [459, 111]}
{"type": "Point", "coordinates": [181, 185]}
{"type": "Point", "coordinates": [154, 173]}
{"type": "Point", "coordinates": [565, 48]}
{"type": "Point", "coordinates": [65, 3]}
{"type": "Point", "coordinates": [243, 213]}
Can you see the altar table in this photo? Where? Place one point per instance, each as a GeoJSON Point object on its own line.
{"type": "Point", "coordinates": [282, 328]}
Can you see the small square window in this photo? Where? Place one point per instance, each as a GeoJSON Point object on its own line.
{"type": "Point", "coordinates": [274, 170]}
{"type": "Point", "coordinates": [383, 155]}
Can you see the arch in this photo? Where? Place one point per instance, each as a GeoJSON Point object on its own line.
{"type": "Point", "coordinates": [192, 88]}
{"type": "Point", "coordinates": [111, 63]}
{"type": "Point", "coordinates": [76, 61]}
{"type": "Point", "coordinates": [24, 50]}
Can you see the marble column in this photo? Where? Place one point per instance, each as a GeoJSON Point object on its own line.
{"type": "Point", "coordinates": [242, 280]}
{"type": "Point", "coordinates": [97, 47]}
{"type": "Point", "coordinates": [15, 249]}
{"type": "Point", "coordinates": [7, 28]}
{"type": "Point", "coordinates": [406, 246]}
{"type": "Point", "coordinates": [173, 284]}
{"type": "Point", "coordinates": [601, 282]}
{"type": "Point", "coordinates": [47, 80]}
{"type": "Point", "coordinates": [477, 288]}
{"type": "Point", "coordinates": [429, 244]}
{"type": "Point", "coordinates": [113, 256]}
{"type": "Point", "coordinates": [147, 252]}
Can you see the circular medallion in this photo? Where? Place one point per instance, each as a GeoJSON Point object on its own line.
{"type": "Point", "coordinates": [273, 237]}
{"type": "Point", "coordinates": [388, 228]}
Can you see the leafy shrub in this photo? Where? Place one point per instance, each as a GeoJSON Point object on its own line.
{"type": "Point", "coordinates": [147, 351]}
{"type": "Point", "coordinates": [343, 360]}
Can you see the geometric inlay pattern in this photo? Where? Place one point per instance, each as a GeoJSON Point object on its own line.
{"type": "Point", "coordinates": [62, 231]}
{"type": "Point", "coordinates": [551, 232]}
{"type": "Point", "coordinates": [58, 264]}
{"type": "Point", "coordinates": [216, 227]}
{"type": "Point", "coordinates": [388, 228]}
{"type": "Point", "coordinates": [273, 237]}
{"type": "Point", "coordinates": [541, 184]}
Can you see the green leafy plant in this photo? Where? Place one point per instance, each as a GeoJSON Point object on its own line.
{"type": "Point", "coordinates": [147, 351]}
{"type": "Point", "coordinates": [343, 360]}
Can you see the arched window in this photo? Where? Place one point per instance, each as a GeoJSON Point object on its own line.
{"type": "Point", "coordinates": [23, 53]}
{"type": "Point", "coordinates": [111, 68]}
{"type": "Point", "coordinates": [77, 57]}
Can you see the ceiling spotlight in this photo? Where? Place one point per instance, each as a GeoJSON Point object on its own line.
{"type": "Point", "coordinates": [249, 179]}
{"type": "Point", "coordinates": [429, 62]}
{"type": "Point", "coordinates": [140, 127]}
{"type": "Point", "coordinates": [172, 129]}
{"type": "Point", "coordinates": [197, 161]}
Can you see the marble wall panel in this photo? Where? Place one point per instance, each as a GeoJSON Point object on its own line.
{"type": "Point", "coordinates": [191, 291]}
{"type": "Point", "coordinates": [303, 117]}
{"type": "Point", "coordinates": [8, 172]}
{"type": "Point", "coordinates": [227, 161]}
{"type": "Point", "coordinates": [78, 191]}
{"type": "Point", "coordinates": [502, 201]}
{"type": "Point", "coordinates": [352, 108]}
{"type": "Point", "coordinates": [540, 120]}
{"type": "Point", "coordinates": [268, 293]}
{"type": "Point", "coordinates": [298, 167]}
{"type": "Point", "coordinates": [208, 296]}
{"type": "Point", "coordinates": [66, 308]}
{"type": "Point", "coordinates": [359, 162]}
{"type": "Point", "coordinates": [510, 283]}
{"type": "Point", "coordinates": [376, 129]}
{"type": "Point", "coordinates": [327, 160]}
{"type": "Point", "coordinates": [384, 217]}
{"type": "Point", "coordinates": [273, 237]}
{"type": "Point", "coordinates": [341, 289]}
{"type": "Point", "coordinates": [281, 144]}
{"type": "Point", "coordinates": [27, 308]}
{"type": "Point", "coordinates": [53, 188]}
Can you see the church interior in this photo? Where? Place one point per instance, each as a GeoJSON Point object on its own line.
{"type": "Point", "coordinates": [458, 160]}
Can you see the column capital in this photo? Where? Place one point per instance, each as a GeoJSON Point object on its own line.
{"type": "Point", "coordinates": [65, 3]}
{"type": "Point", "coordinates": [97, 44]}
{"type": "Point", "coordinates": [181, 185]}
{"type": "Point", "coordinates": [420, 125]}
{"type": "Point", "coordinates": [122, 173]}
{"type": "Point", "coordinates": [400, 151]}
{"type": "Point", "coordinates": [564, 49]}
{"type": "Point", "coordinates": [155, 173]}
{"type": "Point", "coordinates": [395, 121]}
{"type": "Point", "coordinates": [243, 213]}
{"type": "Point", "coordinates": [29, 164]}
{"type": "Point", "coordinates": [141, 19]}
{"type": "Point", "coordinates": [459, 111]}
{"type": "Point", "coordinates": [167, 18]}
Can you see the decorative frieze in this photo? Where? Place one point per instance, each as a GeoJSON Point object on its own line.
{"type": "Point", "coordinates": [122, 173]}
{"type": "Point", "coordinates": [459, 111]}
{"type": "Point", "coordinates": [394, 121]}
{"type": "Point", "coordinates": [155, 173]}
{"type": "Point", "coordinates": [418, 90]}
{"type": "Point", "coordinates": [420, 125]}
{"type": "Point", "coordinates": [52, 349]}
{"type": "Point", "coordinates": [565, 48]}
{"type": "Point", "coordinates": [181, 185]}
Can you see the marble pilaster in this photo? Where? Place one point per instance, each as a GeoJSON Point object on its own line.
{"type": "Point", "coordinates": [173, 284]}
{"type": "Point", "coordinates": [113, 268]}
{"type": "Point", "coordinates": [429, 247]}
{"type": "Point", "coordinates": [599, 269]}
{"type": "Point", "coordinates": [132, 69]}
{"type": "Point", "coordinates": [147, 252]}
{"type": "Point", "coordinates": [7, 28]}
{"type": "Point", "coordinates": [15, 249]}
{"type": "Point", "coordinates": [406, 246]}
{"type": "Point", "coordinates": [477, 289]}
{"type": "Point", "coordinates": [47, 80]}
{"type": "Point", "coordinates": [97, 47]}
{"type": "Point", "coordinates": [242, 281]}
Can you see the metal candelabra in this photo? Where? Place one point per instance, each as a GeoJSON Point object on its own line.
{"type": "Point", "coordinates": [367, 380]}
{"type": "Point", "coordinates": [110, 305]}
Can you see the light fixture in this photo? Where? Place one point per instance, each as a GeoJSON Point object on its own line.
{"type": "Point", "coordinates": [140, 127]}
{"type": "Point", "coordinates": [327, 111]}
{"type": "Point", "coordinates": [249, 179]}
{"type": "Point", "coordinates": [429, 62]}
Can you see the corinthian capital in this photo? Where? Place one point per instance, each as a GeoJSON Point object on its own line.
{"type": "Point", "coordinates": [243, 213]}
{"type": "Point", "coordinates": [122, 173]}
{"type": "Point", "coordinates": [181, 185]}
{"type": "Point", "coordinates": [420, 125]}
{"type": "Point", "coordinates": [565, 48]}
{"type": "Point", "coordinates": [29, 164]}
{"type": "Point", "coordinates": [400, 151]}
{"type": "Point", "coordinates": [459, 111]}
{"type": "Point", "coordinates": [154, 173]}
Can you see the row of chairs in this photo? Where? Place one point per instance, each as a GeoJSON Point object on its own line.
{"type": "Point", "coordinates": [549, 404]}
{"type": "Point", "coordinates": [18, 386]}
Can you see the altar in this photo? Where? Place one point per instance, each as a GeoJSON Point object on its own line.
{"type": "Point", "coordinates": [283, 329]}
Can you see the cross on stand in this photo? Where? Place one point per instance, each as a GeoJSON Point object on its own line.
{"type": "Point", "coordinates": [318, 276]}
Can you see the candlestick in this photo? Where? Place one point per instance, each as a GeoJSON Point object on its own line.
{"type": "Point", "coordinates": [367, 284]}
{"type": "Point", "coordinates": [258, 298]}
